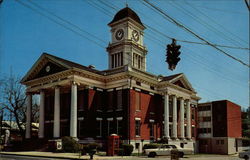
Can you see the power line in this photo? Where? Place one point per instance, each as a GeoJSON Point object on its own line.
{"type": "Point", "coordinates": [204, 23]}
{"type": "Point", "coordinates": [159, 42]}
{"type": "Point", "coordinates": [211, 19]}
{"type": "Point", "coordinates": [190, 31]}
{"type": "Point", "coordinates": [61, 24]}
{"type": "Point", "coordinates": [66, 21]}
{"type": "Point", "coordinates": [185, 41]}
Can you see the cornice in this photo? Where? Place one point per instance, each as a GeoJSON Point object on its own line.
{"type": "Point", "coordinates": [128, 43]}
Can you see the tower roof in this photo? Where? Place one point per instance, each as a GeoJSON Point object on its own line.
{"type": "Point", "coordinates": [124, 13]}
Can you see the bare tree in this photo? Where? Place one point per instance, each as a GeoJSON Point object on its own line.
{"type": "Point", "coordinates": [14, 101]}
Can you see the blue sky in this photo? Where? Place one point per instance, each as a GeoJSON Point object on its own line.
{"type": "Point", "coordinates": [25, 34]}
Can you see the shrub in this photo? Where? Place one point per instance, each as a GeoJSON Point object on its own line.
{"type": "Point", "coordinates": [91, 146]}
{"type": "Point", "coordinates": [70, 145]}
{"type": "Point", "coordinates": [151, 146]}
{"type": "Point", "coordinates": [127, 149]}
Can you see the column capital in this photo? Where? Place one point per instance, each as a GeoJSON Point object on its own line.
{"type": "Point", "coordinates": [57, 87]}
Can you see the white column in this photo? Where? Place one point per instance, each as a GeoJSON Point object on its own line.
{"type": "Point", "coordinates": [188, 120]}
{"type": "Point", "coordinates": [182, 128]}
{"type": "Point", "coordinates": [73, 111]}
{"type": "Point", "coordinates": [56, 132]}
{"type": "Point", "coordinates": [166, 116]}
{"type": "Point", "coordinates": [174, 117]}
{"type": "Point", "coordinates": [41, 115]}
{"type": "Point", "coordinates": [28, 116]}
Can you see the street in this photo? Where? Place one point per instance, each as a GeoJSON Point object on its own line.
{"type": "Point", "coordinates": [190, 157]}
{"type": "Point", "coordinates": [14, 157]}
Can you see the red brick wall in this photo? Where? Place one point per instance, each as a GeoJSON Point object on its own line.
{"type": "Point", "coordinates": [233, 120]}
{"type": "Point", "coordinates": [148, 104]}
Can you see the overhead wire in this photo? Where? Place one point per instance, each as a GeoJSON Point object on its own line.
{"type": "Point", "coordinates": [61, 24]}
{"type": "Point", "coordinates": [218, 24]}
{"type": "Point", "coordinates": [170, 19]}
{"type": "Point", "coordinates": [192, 51]}
{"type": "Point", "coordinates": [204, 23]}
{"type": "Point", "coordinates": [206, 66]}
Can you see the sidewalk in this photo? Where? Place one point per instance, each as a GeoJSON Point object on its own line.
{"type": "Point", "coordinates": [58, 155]}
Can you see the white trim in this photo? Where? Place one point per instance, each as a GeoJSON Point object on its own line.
{"type": "Point", "coordinates": [137, 89]}
{"type": "Point", "coordinates": [119, 118]}
{"type": "Point", "coordinates": [110, 90]}
{"type": "Point", "coordinates": [137, 119]}
{"type": "Point", "coordinates": [99, 119]}
{"type": "Point", "coordinates": [193, 125]}
{"type": "Point", "coordinates": [151, 93]}
{"type": "Point", "coordinates": [80, 118]}
{"type": "Point", "coordinates": [119, 88]}
{"type": "Point", "coordinates": [151, 121]}
{"type": "Point", "coordinates": [110, 119]}
{"type": "Point", "coordinates": [99, 89]}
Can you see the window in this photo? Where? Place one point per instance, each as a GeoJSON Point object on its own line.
{"type": "Point", "coordinates": [119, 125]}
{"type": "Point", "coordinates": [119, 99]}
{"type": "Point", "coordinates": [99, 127]}
{"type": "Point", "coordinates": [110, 126]}
{"type": "Point", "coordinates": [137, 127]}
{"type": "Point", "coordinates": [192, 113]}
{"type": "Point", "coordinates": [137, 101]}
{"type": "Point", "coordinates": [151, 128]}
{"type": "Point", "coordinates": [80, 126]}
{"type": "Point", "coordinates": [204, 130]}
{"type": "Point", "coordinates": [204, 108]}
{"type": "Point", "coordinates": [222, 142]}
{"type": "Point", "coordinates": [206, 119]}
{"type": "Point", "coordinates": [117, 60]}
{"type": "Point", "coordinates": [170, 130]}
{"type": "Point", "coordinates": [110, 100]}
{"type": "Point", "coordinates": [137, 61]}
{"type": "Point", "coordinates": [151, 87]}
{"type": "Point", "coordinates": [185, 131]}
{"type": "Point", "coordinates": [138, 83]}
{"type": "Point", "coordinates": [137, 145]}
{"type": "Point", "coordinates": [193, 129]}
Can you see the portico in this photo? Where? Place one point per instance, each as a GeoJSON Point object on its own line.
{"type": "Point", "coordinates": [57, 110]}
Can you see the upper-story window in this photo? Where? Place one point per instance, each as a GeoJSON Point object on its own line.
{"type": "Point", "coordinates": [137, 61]}
{"type": "Point", "coordinates": [117, 60]}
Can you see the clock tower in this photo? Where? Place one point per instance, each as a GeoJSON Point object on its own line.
{"type": "Point", "coordinates": [126, 47]}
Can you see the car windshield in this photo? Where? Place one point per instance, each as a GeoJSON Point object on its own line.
{"type": "Point", "coordinates": [173, 146]}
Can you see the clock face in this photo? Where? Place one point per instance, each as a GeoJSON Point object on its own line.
{"type": "Point", "coordinates": [119, 34]}
{"type": "Point", "coordinates": [47, 68]}
{"type": "Point", "coordinates": [135, 35]}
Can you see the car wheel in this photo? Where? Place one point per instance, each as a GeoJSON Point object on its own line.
{"type": "Point", "coordinates": [181, 154]}
{"type": "Point", "coordinates": [246, 157]}
{"type": "Point", "coordinates": [152, 154]}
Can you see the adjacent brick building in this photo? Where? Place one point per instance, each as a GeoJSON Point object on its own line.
{"type": "Point", "coordinates": [89, 104]}
{"type": "Point", "coordinates": [219, 127]}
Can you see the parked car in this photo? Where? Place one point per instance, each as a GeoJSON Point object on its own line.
{"type": "Point", "coordinates": [245, 154]}
{"type": "Point", "coordinates": [165, 149]}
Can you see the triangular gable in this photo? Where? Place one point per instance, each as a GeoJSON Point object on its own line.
{"type": "Point", "coordinates": [45, 65]}
{"type": "Point", "coordinates": [182, 81]}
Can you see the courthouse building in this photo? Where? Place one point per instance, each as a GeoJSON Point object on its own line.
{"type": "Point", "coordinates": [85, 103]}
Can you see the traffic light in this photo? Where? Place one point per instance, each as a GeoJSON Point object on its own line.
{"type": "Point", "coordinates": [173, 55]}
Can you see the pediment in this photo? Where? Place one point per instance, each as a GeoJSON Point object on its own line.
{"type": "Point", "coordinates": [48, 69]}
{"type": "Point", "coordinates": [182, 82]}
{"type": "Point", "coordinates": [44, 66]}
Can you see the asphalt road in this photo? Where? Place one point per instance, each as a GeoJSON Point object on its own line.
{"type": "Point", "coordinates": [13, 157]}
{"type": "Point", "coordinates": [193, 157]}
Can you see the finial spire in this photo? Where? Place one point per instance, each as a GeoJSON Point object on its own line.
{"type": "Point", "coordinates": [126, 3]}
